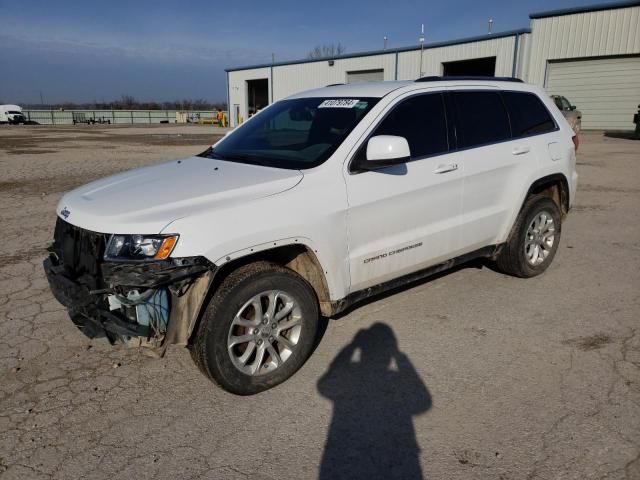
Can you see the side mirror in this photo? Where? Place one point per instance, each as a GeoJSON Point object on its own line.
{"type": "Point", "coordinates": [386, 150]}
{"type": "Point", "coordinates": [572, 108]}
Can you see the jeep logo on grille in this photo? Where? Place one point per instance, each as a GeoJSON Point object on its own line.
{"type": "Point", "coordinates": [65, 212]}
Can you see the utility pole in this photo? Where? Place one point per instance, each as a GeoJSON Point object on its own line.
{"type": "Point", "coordinates": [421, 40]}
{"type": "Point", "coordinates": [273, 60]}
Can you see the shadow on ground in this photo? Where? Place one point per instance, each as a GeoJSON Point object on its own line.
{"type": "Point", "coordinates": [376, 391]}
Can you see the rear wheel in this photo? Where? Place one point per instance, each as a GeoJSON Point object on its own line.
{"type": "Point", "coordinates": [258, 329]}
{"type": "Point", "coordinates": [534, 239]}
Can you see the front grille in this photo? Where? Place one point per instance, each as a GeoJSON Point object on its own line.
{"type": "Point", "coordinates": [79, 251]}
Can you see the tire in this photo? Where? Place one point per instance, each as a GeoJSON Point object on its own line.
{"type": "Point", "coordinates": [232, 315]}
{"type": "Point", "coordinates": [518, 257]}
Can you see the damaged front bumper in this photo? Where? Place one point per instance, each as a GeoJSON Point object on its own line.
{"type": "Point", "coordinates": [150, 304]}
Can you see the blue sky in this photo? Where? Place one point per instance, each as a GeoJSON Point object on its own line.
{"type": "Point", "coordinates": [165, 50]}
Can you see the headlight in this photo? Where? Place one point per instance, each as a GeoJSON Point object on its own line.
{"type": "Point", "coordinates": [140, 247]}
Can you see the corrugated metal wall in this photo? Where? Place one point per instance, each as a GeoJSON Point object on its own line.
{"type": "Point", "coordinates": [605, 90]}
{"type": "Point", "coordinates": [238, 90]}
{"type": "Point", "coordinates": [289, 79]}
{"type": "Point", "coordinates": [590, 34]}
{"type": "Point", "coordinates": [576, 35]}
{"type": "Point", "coordinates": [432, 58]}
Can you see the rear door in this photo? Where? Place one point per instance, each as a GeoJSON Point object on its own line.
{"type": "Point", "coordinates": [498, 139]}
{"type": "Point", "coordinates": [405, 217]}
{"type": "Point", "coordinates": [490, 162]}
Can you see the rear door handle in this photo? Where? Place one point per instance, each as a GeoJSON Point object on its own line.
{"type": "Point", "coordinates": [449, 167]}
{"type": "Point", "coordinates": [520, 149]}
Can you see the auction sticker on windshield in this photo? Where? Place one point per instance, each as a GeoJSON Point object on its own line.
{"type": "Point", "coordinates": [339, 103]}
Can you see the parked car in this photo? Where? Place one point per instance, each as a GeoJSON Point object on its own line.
{"type": "Point", "coordinates": [11, 114]}
{"type": "Point", "coordinates": [322, 200]}
{"type": "Point", "coordinates": [573, 116]}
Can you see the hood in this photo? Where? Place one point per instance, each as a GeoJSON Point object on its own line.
{"type": "Point", "coordinates": [147, 199]}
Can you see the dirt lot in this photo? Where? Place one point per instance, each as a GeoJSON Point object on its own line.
{"type": "Point", "coordinates": [512, 379]}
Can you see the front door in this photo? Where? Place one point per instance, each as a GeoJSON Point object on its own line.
{"type": "Point", "coordinates": [405, 217]}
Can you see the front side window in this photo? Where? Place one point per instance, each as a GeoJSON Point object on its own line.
{"type": "Point", "coordinates": [528, 114]}
{"type": "Point", "coordinates": [294, 134]}
{"type": "Point", "coordinates": [422, 121]}
{"type": "Point", "coordinates": [481, 118]}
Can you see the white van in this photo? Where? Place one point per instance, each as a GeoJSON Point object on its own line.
{"type": "Point", "coordinates": [11, 114]}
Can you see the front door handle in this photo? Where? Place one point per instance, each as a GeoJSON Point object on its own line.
{"type": "Point", "coordinates": [520, 149]}
{"type": "Point", "coordinates": [449, 167]}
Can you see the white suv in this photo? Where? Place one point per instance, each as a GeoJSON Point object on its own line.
{"type": "Point", "coordinates": [319, 201]}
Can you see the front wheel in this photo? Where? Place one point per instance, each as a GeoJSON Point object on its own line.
{"type": "Point", "coordinates": [258, 329]}
{"type": "Point", "coordinates": [534, 239]}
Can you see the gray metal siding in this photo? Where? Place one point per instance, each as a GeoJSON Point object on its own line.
{"type": "Point", "coordinates": [365, 76]}
{"type": "Point", "coordinates": [290, 79]}
{"type": "Point", "coordinates": [606, 90]}
{"type": "Point", "coordinates": [598, 33]}
{"type": "Point", "coordinates": [502, 48]}
{"type": "Point", "coordinates": [591, 34]}
{"type": "Point", "coordinates": [238, 89]}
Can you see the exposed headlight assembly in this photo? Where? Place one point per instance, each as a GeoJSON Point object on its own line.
{"type": "Point", "coordinates": [140, 247]}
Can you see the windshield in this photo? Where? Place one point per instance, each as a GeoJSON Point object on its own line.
{"type": "Point", "coordinates": [294, 134]}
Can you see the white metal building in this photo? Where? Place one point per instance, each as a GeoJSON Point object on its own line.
{"type": "Point", "coordinates": [591, 55]}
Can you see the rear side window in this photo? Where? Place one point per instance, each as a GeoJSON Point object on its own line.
{"type": "Point", "coordinates": [481, 118]}
{"type": "Point", "coordinates": [528, 114]}
{"type": "Point", "coordinates": [558, 102]}
{"type": "Point", "coordinates": [421, 120]}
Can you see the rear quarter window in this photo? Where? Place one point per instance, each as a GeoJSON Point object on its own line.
{"type": "Point", "coordinates": [527, 113]}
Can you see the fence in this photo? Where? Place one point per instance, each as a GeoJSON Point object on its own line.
{"type": "Point", "coordinates": [120, 117]}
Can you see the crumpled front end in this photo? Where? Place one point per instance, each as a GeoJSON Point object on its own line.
{"type": "Point", "coordinates": [148, 303]}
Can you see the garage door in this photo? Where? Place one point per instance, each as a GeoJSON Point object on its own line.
{"type": "Point", "coordinates": [606, 90]}
{"type": "Point", "coordinates": [365, 76]}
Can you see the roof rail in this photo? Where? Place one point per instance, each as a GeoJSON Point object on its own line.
{"type": "Point", "coordinates": [333, 85]}
{"type": "Point", "coordinates": [467, 77]}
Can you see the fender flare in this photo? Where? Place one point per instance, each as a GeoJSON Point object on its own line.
{"type": "Point", "coordinates": [548, 180]}
{"type": "Point", "coordinates": [315, 270]}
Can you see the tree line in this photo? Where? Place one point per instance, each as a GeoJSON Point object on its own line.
{"type": "Point", "coordinates": [128, 102]}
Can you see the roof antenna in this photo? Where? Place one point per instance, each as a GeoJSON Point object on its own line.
{"type": "Point", "coordinates": [490, 26]}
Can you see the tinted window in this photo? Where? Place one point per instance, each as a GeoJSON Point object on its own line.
{"type": "Point", "coordinates": [421, 120]}
{"type": "Point", "coordinates": [481, 118]}
{"type": "Point", "coordinates": [558, 102]}
{"type": "Point", "coordinates": [527, 113]}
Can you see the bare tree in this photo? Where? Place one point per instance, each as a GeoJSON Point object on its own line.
{"type": "Point", "coordinates": [327, 50]}
{"type": "Point", "coordinates": [127, 101]}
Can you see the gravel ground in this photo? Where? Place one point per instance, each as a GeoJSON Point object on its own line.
{"type": "Point", "coordinates": [470, 375]}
